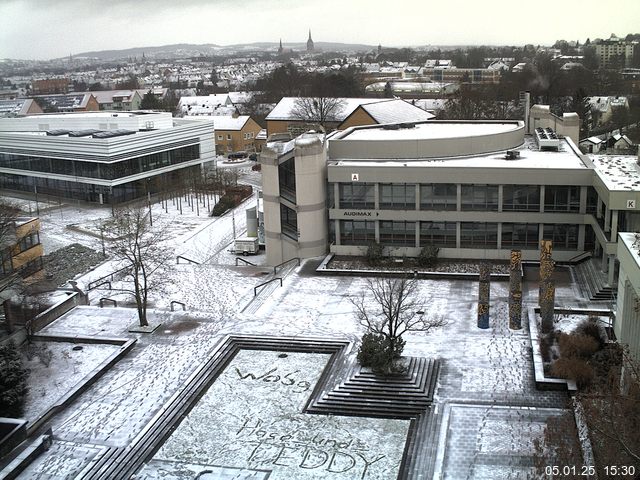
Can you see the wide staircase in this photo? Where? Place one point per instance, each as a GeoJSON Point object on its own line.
{"type": "Point", "coordinates": [593, 281]}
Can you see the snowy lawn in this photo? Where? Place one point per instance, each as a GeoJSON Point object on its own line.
{"type": "Point", "coordinates": [55, 368]}
{"type": "Point", "coordinates": [251, 417]}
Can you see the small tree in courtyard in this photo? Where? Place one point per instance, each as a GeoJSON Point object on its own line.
{"type": "Point", "coordinates": [140, 248]}
{"type": "Point", "coordinates": [13, 382]}
{"type": "Point", "coordinates": [388, 308]}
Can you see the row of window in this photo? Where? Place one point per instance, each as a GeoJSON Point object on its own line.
{"type": "Point", "coordinates": [444, 234]}
{"type": "Point", "coordinates": [106, 171]}
{"type": "Point", "coordinates": [246, 136]}
{"type": "Point", "coordinates": [444, 196]}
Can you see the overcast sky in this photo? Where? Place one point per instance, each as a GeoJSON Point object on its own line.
{"type": "Point", "coordinates": [42, 29]}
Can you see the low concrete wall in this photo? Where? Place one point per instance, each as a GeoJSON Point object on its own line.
{"type": "Point", "coordinates": [13, 431]}
{"type": "Point", "coordinates": [56, 311]}
{"type": "Point", "coordinates": [25, 457]}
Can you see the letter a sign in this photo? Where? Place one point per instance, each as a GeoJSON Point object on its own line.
{"type": "Point", "coordinates": [355, 177]}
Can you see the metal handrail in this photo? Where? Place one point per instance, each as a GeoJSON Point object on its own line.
{"type": "Point", "coordinates": [185, 258]}
{"type": "Point", "coordinates": [245, 261]}
{"type": "Point", "coordinates": [578, 257]}
{"type": "Point", "coordinates": [285, 262]}
{"type": "Point", "coordinates": [98, 281]}
{"type": "Point", "coordinates": [106, 282]}
{"type": "Point", "coordinates": [103, 300]}
{"type": "Point", "coordinates": [174, 302]}
{"type": "Point", "coordinates": [255, 289]}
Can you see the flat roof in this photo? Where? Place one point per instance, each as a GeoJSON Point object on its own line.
{"type": "Point", "coordinates": [618, 172]}
{"type": "Point", "coordinates": [629, 239]}
{"type": "Point", "coordinates": [530, 157]}
{"type": "Point", "coordinates": [431, 131]}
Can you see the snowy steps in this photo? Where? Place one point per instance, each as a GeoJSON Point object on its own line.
{"type": "Point", "coordinates": [364, 393]}
{"type": "Point", "coordinates": [422, 446]}
{"type": "Point", "coordinates": [121, 463]}
{"type": "Point", "coordinates": [593, 282]}
{"type": "Point", "coordinates": [258, 300]}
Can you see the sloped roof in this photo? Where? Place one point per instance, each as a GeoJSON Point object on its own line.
{"type": "Point", "coordinates": [19, 106]}
{"type": "Point", "coordinates": [395, 111]}
{"type": "Point", "coordinates": [285, 107]}
{"type": "Point", "coordinates": [67, 102]}
{"type": "Point", "coordinates": [228, 122]}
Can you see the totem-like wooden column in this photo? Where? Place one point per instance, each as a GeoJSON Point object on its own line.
{"type": "Point", "coordinates": [515, 290]}
{"type": "Point", "coordinates": [546, 298]}
{"type": "Point", "coordinates": [484, 295]}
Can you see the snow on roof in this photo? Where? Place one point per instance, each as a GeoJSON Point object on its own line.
{"type": "Point", "coordinates": [14, 106]}
{"type": "Point", "coordinates": [284, 109]}
{"type": "Point", "coordinates": [594, 140]}
{"type": "Point", "coordinates": [396, 111]}
{"type": "Point", "coordinates": [228, 122]}
{"type": "Point", "coordinates": [106, 96]}
{"type": "Point", "coordinates": [629, 241]}
{"type": "Point", "coordinates": [262, 134]}
{"type": "Point", "coordinates": [618, 172]}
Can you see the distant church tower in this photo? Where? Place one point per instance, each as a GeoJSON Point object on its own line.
{"type": "Point", "coordinates": [280, 49]}
{"type": "Point", "coordinates": [379, 49]}
{"type": "Point", "coordinates": [309, 43]}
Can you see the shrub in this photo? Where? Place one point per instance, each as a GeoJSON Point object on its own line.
{"type": "Point", "coordinates": [591, 329]}
{"type": "Point", "coordinates": [374, 254]}
{"type": "Point", "coordinates": [428, 256]}
{"type": "Point", "coordinates": [13, 382]}
{"type": "Point", "coordinates": [225, 203]}
{"type": "Point", "coordinates": [546, 342]}
{"type": "Point", "coordinates": [377, 353]}
{"type": "Point", "coordinates": [577, 345]}
{"type": "Point", "coordinates": [575, 369]}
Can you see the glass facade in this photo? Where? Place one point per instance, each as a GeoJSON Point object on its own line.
{"type": "Point", "coordinates": [564, 237]}
{"type": "Point", "coordinates": [521, 198]}
{"type": "Point", "coordinates": [289, 222]}
{"type": "Point", "coordinates": [101, 170]}
{"type": "Point", "coordinates": [520, 235]}
{"type": "Point", "coordinates": [479, 197]}
{"type": "Point", "coordinates": [398, 233]}
{"type": "Point", "coordinates": [478, 235]}
{"type": "Point", "coordinates": [438, 196]}
{"type": "Point", "coordinates": [357, 232]}
{"type": "Point", "coordinates": [357, 196]}
{"type": "Point", "coordinates": [287, 179]}
{"type": "Point", "coordinates": [397, 196]}
{"type": "Point", "coordinates": [564, 198]}
{"type": "Point", "coordinates": [438, 234]}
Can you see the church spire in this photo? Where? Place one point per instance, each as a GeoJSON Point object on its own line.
{"type": "Point", "coordinates": [309, 43]}
{"type": "Point", "coordinates": [280, 49]}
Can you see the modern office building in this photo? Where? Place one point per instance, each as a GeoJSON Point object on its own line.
{"type": "Point", "coordinates": [103, 157]}
{"type": "Point", "coordinates": [475, 189]}
{"type": "Point", "coordinates": [627, 324]}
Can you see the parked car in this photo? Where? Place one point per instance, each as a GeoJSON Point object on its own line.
{"type": "Point", "coordinates": [237, 155]}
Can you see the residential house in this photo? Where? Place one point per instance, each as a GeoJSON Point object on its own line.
{"type": "Point", "coordinates": [385, 111]}
{"type": "Point", "coordinates": [19, 107]}
{"type": "Point", "coordinates": [120, 100]}
{"type": "Point", "coordinates": [79, 102]}
{"type": "Point", "coordinates": [235, 133]}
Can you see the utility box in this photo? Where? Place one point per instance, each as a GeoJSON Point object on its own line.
{"type": "Point", "coordinates": [246, 246]}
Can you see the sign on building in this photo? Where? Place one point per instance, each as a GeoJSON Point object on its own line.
{"type": "Point", "coordinates": [355, 177]}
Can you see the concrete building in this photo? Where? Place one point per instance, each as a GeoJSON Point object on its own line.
{"type": "Point", "coordinates": [462, 75]}
{"type": "Point", "coordinates": [102, 157]}
{"type": "Point", "coordinates": [627, 322]}
{"type": "Point", "coordinates": [22, 251]}
{"type": "Point", "coordinates": [475, 189]}
{"type": "Point", "coordinates": [49, 86]}
{"type": "Point", "coordinates": [614, 52]}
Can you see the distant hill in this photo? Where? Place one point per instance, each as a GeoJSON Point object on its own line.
{"type": "Point", "coordinates": [182, 50]}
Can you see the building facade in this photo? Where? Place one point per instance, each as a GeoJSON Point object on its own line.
{"type": "Point", "coordinates": [627, 323]}
{"type": "Point", "coordinates": [23, 251]}
{"type": "Point", "coordinates": [101, 157]}
{"type": "Point", "coordinates": [475, 189]}
{"type": "Point", "coordinates": [235, 133]}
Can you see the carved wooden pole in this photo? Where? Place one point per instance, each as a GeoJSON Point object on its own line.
{"type": "Point", "coordinates": [515, 290]}
{"type": "Point", "coordinates": [484, 295]}
{"type": "Point", "coordinates": [546, 298]}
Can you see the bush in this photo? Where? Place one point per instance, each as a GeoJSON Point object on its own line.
{"type": "Point", "coordinates": [225, 203]}
{"type": "Point", "coordinates": [577, 345]}
{"type": "Point", "coordinates": [428, 256]}
{"type": "Point", "coordinates": [591, 329]}
{"type": "Point", "coordinates": [377, 353]}
{"type": "Point", "coordinates": [575, 369]}
{"type": "Point", "coordinates": [13, 382]}
{"type": "Point", "coordinates": [374, 254]}
{"type": "Point", "coordinates": [546, 342]}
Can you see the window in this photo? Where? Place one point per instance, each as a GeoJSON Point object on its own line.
{"type": "Point", "coordinates": [480, 197]}
{"type": "Point", "coordinates": [287, 178]}
{"type": "Point", "coordinates": [520, 235]}
{"type": "Point", "coordinates": [28, 241]}
{"type": "Point", "coordinates": [438, 196]}
{"type": "Point", "coordinates": [398, 233]}
{"type": "Point", "coordinates": [220, 137]}
{"type": "Point", "coordinates": [478, 235]}
{"type": "Point", "coordinates": [592, 200]}
{"type": "Point", "coordinates": [561, 198]}
{"type": "Point", "coordinates": [228, 136]}
{"type": "Point", "coordinates": [357, 232]}
{"type": "Point", "coordinates": [331, 196]}
{"type": "Point", "coordinates": [398, 196]}
{"type": "Point", "coordinates": [438, 234]}
{"type": "Point", "coordinates": [521, 198]}
{"type": "Point", "coordinates": [357, 195]}
{"type": "Point", "coordinates": [564, 237]}
{"type": "Point", "coordinates": [289, 222]}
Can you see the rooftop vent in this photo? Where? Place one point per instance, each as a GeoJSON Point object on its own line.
{"type": "Point", "coordinates": [391, 126]}
{"type": "Point", "coordinates": [547, 139]}
{"type": "Point", "coordinates": [407, 125]}
{"type": "Point", "coordinates": [57, 132]}
{"type": "Point", "coordinates": [512, 155]}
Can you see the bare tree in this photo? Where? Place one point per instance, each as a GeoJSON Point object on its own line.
{"type": "Point", "coordinates": [140, 248]}
{"type": "Point", "coordinates": [319, 110]}
{"type": "Point", "coordinates": [391, 307]}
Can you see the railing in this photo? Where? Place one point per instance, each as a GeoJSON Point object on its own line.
{"type": "Point", "coordinates": [101, 280]}
{"type": "Point", "coordinates": [185, 258]}
{"type": "Point", "coordinates": [255, 289]}
{"type": "Point", "coordinates": [297, 259]}
{"type": "Point", "coordinates": [579, 257]}
{"type": "Point", "coordinates": [106, 282]}
{"type": "Point", "coordinates": [244, 261]}
{"type": "Point", "coordinates": [175, 302]}
{"type": "Point", "coordinates": [104, 300]}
